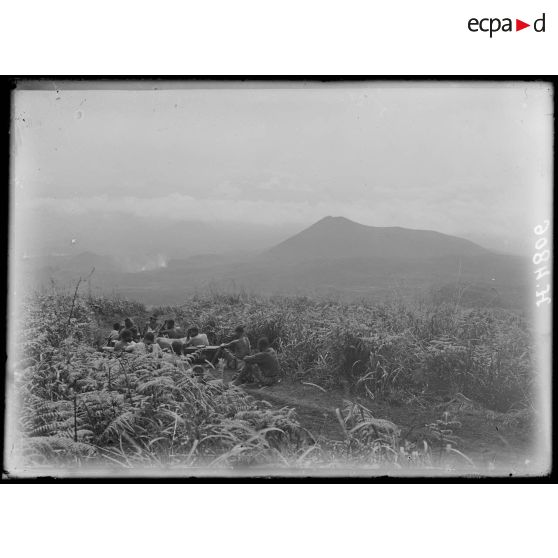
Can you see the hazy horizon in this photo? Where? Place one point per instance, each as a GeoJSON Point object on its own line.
{"type": "Point", "coordinates": [253, 166]}
{"type": "Point", "coordinates": [263, 238]}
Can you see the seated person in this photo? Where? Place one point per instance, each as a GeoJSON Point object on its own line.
{"type": "Point", "coordinates": [165, 343]}
{"type": "Point", "coordinates": [113, 335]}
{"type": "Point", "coordinates": [152, 326]}
{"type": "Point", "coordinates": [195, 338]}
{"type": "Point", "coordinates": [261, 368]}
{"type": "Point", "coordinates": [240, 347]}
{"type": "Point", "coordinates": [126, 343]}
{"type": "Point", "coordinates": [177, 356]}
{"type": "Point", "coordinates": [177, 345]}
{"type": "Point", "coordinates": [129, 324]}
{"type": "Point", "coordinates": [148, 345]}
{"type": "Point", "coordinates": [170, 331]}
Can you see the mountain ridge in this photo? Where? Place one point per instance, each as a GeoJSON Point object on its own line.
{"type": "Point", "coordinates": [333, 257]}
{"type": "Point", "coordinates": [340, 238]}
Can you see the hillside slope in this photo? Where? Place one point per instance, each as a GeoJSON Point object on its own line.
{"type": "Point", "coordinates": [338, 237]}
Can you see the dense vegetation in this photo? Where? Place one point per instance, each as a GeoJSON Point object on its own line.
{"type": "Point", "coordinates": [381, 349]}
{"type": "Point", "coordinates": [81, 408]}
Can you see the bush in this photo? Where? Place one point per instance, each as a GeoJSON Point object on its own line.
{"type": "Point", "coordinates": [378, 349]}
{"type": "Point", "coordinates": [80, 406]}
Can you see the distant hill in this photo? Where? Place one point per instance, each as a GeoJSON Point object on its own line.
{"type": "Point", "coordinates": [82, 263]}
{"type": "Point", "coordinates": [334, 257]}
{"type": "Point", "coordinates": [338, 237]}
{"type": "Point", "coordinates": [88, 261]}
{"type": "Point", "coordinates": [138, 238]}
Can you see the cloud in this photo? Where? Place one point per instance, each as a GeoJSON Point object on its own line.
{"type": "Point", "coordinates": [459, 160]}
{"type": "Point", "coordinates": [226, 189]}
{"type": "Point", "coordinates": [178, 207]}
{"type": "Point", "coordinates": [397, 209]}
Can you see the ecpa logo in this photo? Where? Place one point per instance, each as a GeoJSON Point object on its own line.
{"type": "Point", "coordinates": [494, 24]}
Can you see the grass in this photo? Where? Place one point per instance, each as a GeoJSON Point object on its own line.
{"type": "Point", "coordinates": [376, 349]}
{"type": "Point", "coordinates": [81, 408]}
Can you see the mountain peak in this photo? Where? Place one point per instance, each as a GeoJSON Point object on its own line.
{"type": "Point", "coordinates": [340, 238]}
{"type": "Point", "coordinates": [337, 223]}
{"type": "Point", "coordinates": [336, 219]}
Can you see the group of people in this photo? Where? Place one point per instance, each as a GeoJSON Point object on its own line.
{"type": "Point", "coordinates": [261, 368]}
{"type": "Point", "coordinates": [168, 329]}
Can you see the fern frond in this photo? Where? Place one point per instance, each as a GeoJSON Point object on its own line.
{"type": "Point", "coordinates": [122, 423]}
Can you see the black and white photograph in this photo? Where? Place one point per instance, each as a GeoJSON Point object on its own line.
{"type": "Point", "coordinates": [279, 278]}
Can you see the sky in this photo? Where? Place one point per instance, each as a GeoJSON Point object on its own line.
{"type": "Point", "coordinates": [464, 159]}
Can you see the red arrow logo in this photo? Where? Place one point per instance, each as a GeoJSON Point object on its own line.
{"type": "Point", "coordinates": [519, 25]}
